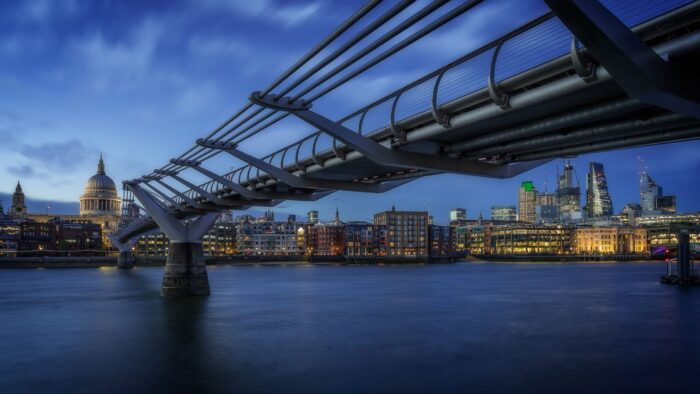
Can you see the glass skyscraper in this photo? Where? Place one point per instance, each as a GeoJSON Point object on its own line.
{"type": "Point", "coordinates": [598, 201]}
{"type": "Point", "coordinates": [569, 194]}
{"type": "Point", "coordinates": [649, 191]}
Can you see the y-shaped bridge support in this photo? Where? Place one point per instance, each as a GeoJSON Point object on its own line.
{"type": "Point", "coordinates": [126, 258]}
{"type": "Point", "coordinates": [185, 271]}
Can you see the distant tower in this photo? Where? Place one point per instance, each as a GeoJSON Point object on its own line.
{"type": "Point", "coordinates": [527, 201]}
{"type": "Point", "coordinates": [19, 208]}
{"type": "Point", "coordinates": [312, 217]}
{"type": "Point", "coordinates": [598, 200]}
{"type": "Point", "coordinates": [337, 215]}
{"type": "Point", "coordinates": [649, 192]}
{"type": "Point", "coordinates": [568, 194]}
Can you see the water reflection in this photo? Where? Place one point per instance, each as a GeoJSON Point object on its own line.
{"type": "Point", "coordinates": [444, 328]}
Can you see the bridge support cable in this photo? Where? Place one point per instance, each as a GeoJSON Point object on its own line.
{"type": "Point", "coordinates": [215, 200]}
{"type": "Point", "coordinates": [377, 43]}
{"type": "Point", "coordinates": [347, 24]}
{"type": "Point", "coordinates": [387, 156]}
{"type": "Point", "coordinates": [634, 66]}
{"type": "Point", "coordinates": [252, 196]}
{"type": "Point", "coordinates": [305, 182]}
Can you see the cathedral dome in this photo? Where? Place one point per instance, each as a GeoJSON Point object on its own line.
{"type": "Point", "coordinates": [100, 194]}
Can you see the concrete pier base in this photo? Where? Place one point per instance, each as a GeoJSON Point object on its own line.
{"type": "Point", "coordinates": [185, 271]}
{"type": "Point", "coordinates": [125, 260]}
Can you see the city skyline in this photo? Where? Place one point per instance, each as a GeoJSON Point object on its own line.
{"type": "Point", "coordinates": [352, 210]}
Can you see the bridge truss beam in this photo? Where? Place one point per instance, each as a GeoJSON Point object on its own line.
{"type": "Point", "coordinates": [389, 156]}
{"type": "Point", "coordinates": [637, 68]}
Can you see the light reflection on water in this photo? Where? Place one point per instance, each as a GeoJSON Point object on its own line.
{"type": "Point", "coordinates": [439, 328]}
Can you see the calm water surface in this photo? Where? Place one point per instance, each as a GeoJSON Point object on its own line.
{"type": "Point", "coordinates": [441, 328]}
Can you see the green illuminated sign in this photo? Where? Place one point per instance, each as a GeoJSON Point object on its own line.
{"type": "Point", "coordinates": [528, 186]}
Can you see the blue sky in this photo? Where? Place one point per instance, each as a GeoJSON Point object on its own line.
{"type": "Point", "coordinates": [140, 81]}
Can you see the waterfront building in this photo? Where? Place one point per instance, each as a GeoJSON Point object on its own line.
{"type": "Point", "coordinates": [155, 244]}
{"type": "Point", "coordinates": [610, 240]}
{"type": "Point", "coordinates": [36, 237]}
{"type": "Point", "coordinates": [441, 240]}
{"type": "Point", "coordinates": [19, 206]}
{"type": "Point", "coordinates": [9, 236]}
{"type": "Point", "coordinates": [527, 239]}
{"type": "Point", "coordinates": [326, 239]}
{"type": "Point", "coordinates": [598, 200]}
{"type": "Point", "coordinates": [407, 232]}
{"type": "Point", "coordinates": [527, 202]}
{"type": "Point", "coordinates": [664, 220]}
{"type": "Point", "coordinates": [78, 238]}
{"type": "Point", "coordinates": [666, 235]}
{"type": "Point", "coordinates": [364, 239]}
{"type": "Point", "coordinates": [312, 217]}
{"type": "Point", "coordinates": [265, 236]}
{"type": "Point", "coordinates": [504, 213]}
{"type": "Point", "coordinates": [473, 239]}
{"type": "Point", "coordinates": [220, 240]}
{"type": "Point", "coordinates": [568, 194]}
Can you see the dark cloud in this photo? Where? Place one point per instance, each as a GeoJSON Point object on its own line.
{"type": "Point", "coordinates": [65, 156]}
{"type": "Point", "coordinates": [24, 172]}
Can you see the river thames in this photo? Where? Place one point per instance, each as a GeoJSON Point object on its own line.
{"type": "Point", "coordinates": [465, 327]}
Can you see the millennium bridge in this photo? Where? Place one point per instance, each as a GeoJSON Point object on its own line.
{"type": "Point", "coordinates": [586, 76]}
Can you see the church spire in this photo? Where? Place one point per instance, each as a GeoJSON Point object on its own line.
{"type": "Point", "coordinates": [101, 166]}
{"type": "Point", "coordinates": [18, 189]}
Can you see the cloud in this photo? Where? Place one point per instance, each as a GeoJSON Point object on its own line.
{"type": "Point", "coordinates": [64, 156]}
{"type": "Point", "coordinates": [289, 15]}
{"type": "Point", "coordinates": [120, 64]}
{"type": "Point", "coordinates": [24, 171]}
{"type": "Point", "coordinates": [196, 97]}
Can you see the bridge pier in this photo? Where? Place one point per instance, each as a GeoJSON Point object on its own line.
{"type": "Point", "coordinates": [185, 271]}
{"type": "Point", "coordinates": [126, 257]}
{"type": "Point", "coordinates": [125, 260]}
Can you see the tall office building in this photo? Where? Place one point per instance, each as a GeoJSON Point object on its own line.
{"type": "Point", "coordinates": [312, 217]}
{"type": "Point", "coordinates": [666, 204]}
{"type": "Point", "coordinates": [568, 194]}
{"type": "Point", "coordinates": [649, 191]}
{"type": "Point", "coordinates": [598, 201]}
{"type": "Point", "coordinates": [546, 209]}
{"type": "Point", "coordinates": [652, 199]}
{"type": "Point", "coordinates": [527, 202]}
{"type": "Point", "coordinates": [506, 213]}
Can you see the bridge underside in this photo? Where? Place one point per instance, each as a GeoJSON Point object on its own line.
{"type": "Point", "coordinates": [574, 104]}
